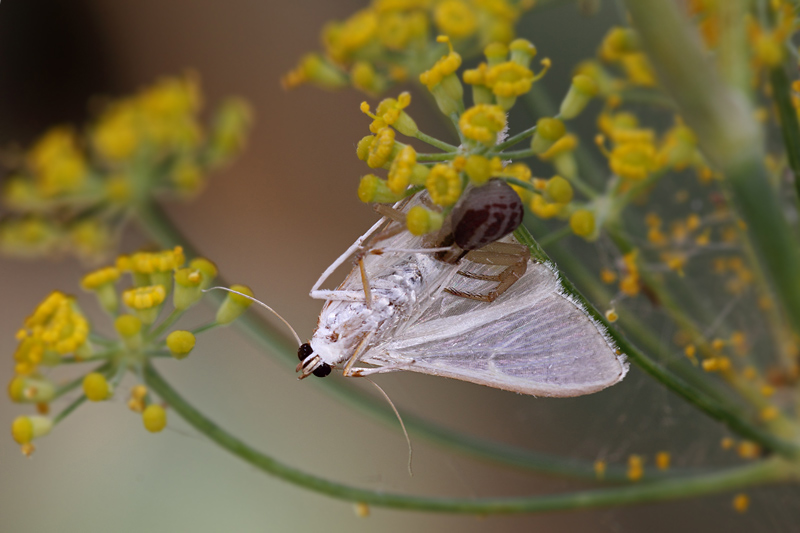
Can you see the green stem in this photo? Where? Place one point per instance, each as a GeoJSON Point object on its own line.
{"type": "Point", "coordinates": [72, 360]}
{"type": "Point", "coordinates": [446, 156]}
{"type": "Point", "coordinates": [433, 141]}
{"type": "Point", "coordinates": [762, 472]}
{"type": "Point", "coordinates": [514, 139]}
{"type": "Point", "coordinates": [69, 409]}
{"type": "Point", "coordinates": [709, 405]}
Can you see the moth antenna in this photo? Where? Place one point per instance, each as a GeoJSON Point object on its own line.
{"type": "Point", "coordinates": [265, 306]}
{"type": "Point", "coordinates": [402, 425]}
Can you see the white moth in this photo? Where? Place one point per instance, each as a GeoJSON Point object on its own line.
{"type": "Point", "coordinates": [399, 314]}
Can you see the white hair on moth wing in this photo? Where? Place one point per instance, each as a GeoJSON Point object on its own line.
{"type": "Point", "coordinates": [599, 326]}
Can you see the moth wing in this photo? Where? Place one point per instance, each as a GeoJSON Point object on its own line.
{"type": "Point", "coordinates": [533, 340]}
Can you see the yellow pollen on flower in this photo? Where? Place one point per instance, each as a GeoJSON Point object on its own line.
{"type": "Point", "coordinates": [381, 148]}
{"type": "Point", "coordinates": [482, 123]}
{"type": "Point", "coordinates": [144, 297]}
{"type": "Point", "coordinates": [748, 450]}
{"type": "Point", "coordinates": [663, 460]}
{"type": "Point", "coordinates": [741, 502]}
{"type": "Point", "coordinates": [399, 176]}
{"type": "Point", "coordinates": [100, 277]}
{"type": "Point", "coordinates": [56, 324]}
{"type": "Point", "coordinates": [769, 413]}
{"type": "Point", "coordinates": [633, 161]}
{"type": "Point", "coordinates": [95, 387]}
{"type": "Point", "coordinates": [443, 67]}
{"type": "Point", "coordinates": [611, 315]}
{"type": "Point", "coordinates": [608, 276]}
{"type": "Point", "coordinates": [543, 209]}
{"type": "Point", "coordinates": [149, 263]}
{"type": "Point", "coordinates": [635, 467]}
{"type": "Point", "coordinates": [455, 19]}
{"type": "Point", "coordinates": [154, 418]}
{"type": "Point", "coordinates": [509, 79]}
{"type": "Point", "coordinates": [444, 185]}
{"type": "Point", "coordinates": [600, 469]}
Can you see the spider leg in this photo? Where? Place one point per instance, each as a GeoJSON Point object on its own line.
{"type": "Point", "coordinates": [514, 257]}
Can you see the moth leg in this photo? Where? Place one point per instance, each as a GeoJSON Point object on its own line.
{"type": "Point", "coordinates": [510, 255]}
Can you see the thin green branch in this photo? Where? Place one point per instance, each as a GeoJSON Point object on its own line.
{"type": "Point", "coordinates": [433, 141]}
{"type": "Point", "coordinates": [445, 156]}
{"type": "Point", "coordinates": [767, 471]}
{"type": "Point", "coordinates": [77, 402]}
{"type": "Point", "coordinates": [514, 139]}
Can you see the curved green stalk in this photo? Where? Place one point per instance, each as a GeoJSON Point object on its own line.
{"type": "Point", "coordinates": [768, 471]}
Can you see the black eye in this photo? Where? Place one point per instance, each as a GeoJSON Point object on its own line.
{"type": "Point", "coordinates": [486, 214]}
{"type": "Point", "coordinates": [322, 370]}
{"type": "Point", "coordinates": [304, 351]}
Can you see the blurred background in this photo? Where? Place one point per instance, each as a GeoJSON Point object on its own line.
{"type": "Point", "coordinates": [274, 220]}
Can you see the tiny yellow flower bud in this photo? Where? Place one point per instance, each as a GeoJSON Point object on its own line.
{"type": "Point", "coordinates": [611, 315]}
{"type": "Point", "coordinates": [444, 185]}
{"type": "Point", "coordinates": [421, 221]}
{"type": "Point", "coordinates": [741, 502]}
{"type": "Point", "coordinates": [478, 169]}
{"type": "Point", "coordinates": [362, 148]}
{"type": "Point", "coordinates": [371, 189]}
{"type": "Point", "coordinates": [582, 90]}
{"type": "Point", "coordinates": [600, 469]}
{"type": "Point", "coordinates": [30, 389]}
{"type": "Point", "coordinates": [129, 328]}
{"type": "Point", "coordinates": [482, 123]}
{"type": "Point", "coordinates": [207, 268]}
{"type": "Point", "coordinates": [635, 467]}
{"type": "Point", "coordinates": [521, 52]}
{"type": "Point", "coordinates": [95, 387]}
{"type": "Point", "coordinates": [544, 209]}
{"type": "Point", "coordinates": [26, 428]}
{"type": "Point", "coordinates": [101, 282]}
{"type": "Point", "coordinates": [187, 288]}
{"type": "Point", "coordinates": [154, 418]}
{"type": "Point", "coordinates": [145, 301]}
{"type": "Point", "coordinates": [582, 223]}
{"type": "Point", "coordinates": [381, 149]}
{"type": "Point", "coordinates": [234, 304]}
{"type": "Point", "coordinates": [663, 460]}
{"type": "Point", "coordinates": [361, 509]}
{"type": "Point", "coordinates": [548, 131]}
{"type": "Point", "coordinates": [180, 343]}
{"type": "Point", "coordinates": [558, 190]}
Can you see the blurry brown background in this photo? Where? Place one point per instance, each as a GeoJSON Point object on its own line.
{"type": "Point", "coordinates": [275, 220]}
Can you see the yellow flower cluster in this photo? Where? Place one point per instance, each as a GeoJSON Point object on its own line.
{"type": "Point", "coordinates": [58, 333]}
{"type": "Point", "coordinates": [71, 191]}
{"type": "Point", "coordinates": [391, 40]}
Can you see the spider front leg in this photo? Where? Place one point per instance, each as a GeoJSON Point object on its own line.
{"type": "Point", "coordinates": [513, 256]}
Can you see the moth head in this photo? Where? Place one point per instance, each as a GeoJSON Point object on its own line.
{"type": "Point", "coordinates": [310, 362]}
